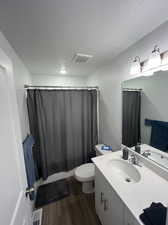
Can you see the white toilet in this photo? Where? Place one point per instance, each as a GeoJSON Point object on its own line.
{"type": "Point", "coordinates": [86, 172]}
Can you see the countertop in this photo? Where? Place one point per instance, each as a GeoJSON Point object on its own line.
{"type": "Point", "coordinates": [136, 196]}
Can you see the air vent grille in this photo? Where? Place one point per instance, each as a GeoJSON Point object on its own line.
{"type": "Point", "coordinates": [81, 58]}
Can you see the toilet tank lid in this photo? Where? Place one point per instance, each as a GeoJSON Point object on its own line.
{"type": "Point", "coordinates": [98, 147]}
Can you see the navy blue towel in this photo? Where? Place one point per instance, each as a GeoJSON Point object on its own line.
{"type": "Point", "coordinates": [154, 215]}
{"type": "Point", "coordinates": [159, 134]}
{"type": "Point", "coordinates": [29, 162]}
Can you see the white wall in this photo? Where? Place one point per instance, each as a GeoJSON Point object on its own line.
{"type": "Point", "coordinates": [21, 77]}
{"type": "Point", "coordinates": [153, 100]}
{"type": "Point", "coordinates": [15, 208]}
{"type": "Point", "coordinates": [109, 80]}
{"type": "Point", "coordinates": [58, 80]}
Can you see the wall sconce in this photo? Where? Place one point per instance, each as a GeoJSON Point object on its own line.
{"type": "Point", "coordinates": [135, 66]}
{"type": "Point", "coordinates": [155, 59]}
{"type": "Point", "coordinates": [164, 64]}
{"type": "Point", "coordinates": [145, 71]}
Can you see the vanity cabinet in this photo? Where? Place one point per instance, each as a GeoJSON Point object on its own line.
{"type": "Point", "coordinates": [128, 218]}
{"type": "Point", "coordinates": [109, 207]}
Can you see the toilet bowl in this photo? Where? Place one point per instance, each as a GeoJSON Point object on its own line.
{"type": "Point", "coordinates": [85, 174]}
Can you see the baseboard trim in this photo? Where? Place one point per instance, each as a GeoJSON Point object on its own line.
{"type": "Point", "coordinates": [22, 213]}
{"type": "Point", "coordinates": [16, 210]}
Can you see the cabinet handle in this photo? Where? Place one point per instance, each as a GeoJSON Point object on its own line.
{"type": "Point", "coordinates": [102, 197]}
{"type": "Point", "coordinates": [105, 205]}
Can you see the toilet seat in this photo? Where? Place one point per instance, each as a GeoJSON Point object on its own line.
{"type": "Point", "coordinates": [85, 172]}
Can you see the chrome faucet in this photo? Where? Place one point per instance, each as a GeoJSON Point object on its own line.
{"type": "Point", "coordinates": [133, 159]}
{"type": "Point", "coordinates": [146, 153]}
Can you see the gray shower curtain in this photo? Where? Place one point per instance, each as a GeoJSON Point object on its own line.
{"type": "Point", "coordinates": [131, 132]}
{"type": "Point", "coordinates": [64, 125]}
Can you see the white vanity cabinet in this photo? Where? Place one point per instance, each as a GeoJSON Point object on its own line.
{"type": "Point", "coordinates": [109, 207]}
{"type": "Point", "coordinates": [128, 218]}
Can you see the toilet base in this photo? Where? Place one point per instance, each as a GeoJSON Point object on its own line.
{"type": "Point", "coordinates": [88, 187]}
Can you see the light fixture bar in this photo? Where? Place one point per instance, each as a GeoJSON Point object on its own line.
{"type": "Point", "coordinates": [157, 62]}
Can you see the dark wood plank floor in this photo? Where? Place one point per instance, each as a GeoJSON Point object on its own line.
{"type": "Point", "coordinates": [76, 209]}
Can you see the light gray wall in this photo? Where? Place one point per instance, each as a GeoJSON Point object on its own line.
{"type": "Point", "coordinates": [153, 101]}
{"type": "Point", "coordinates": [13, 176]}
{"type": "Point", "coordinates": [21, 77]}
{"type": "Point", "coordinates": [58, 80]}
{"type": "Point", "coordinates": [109, 80]}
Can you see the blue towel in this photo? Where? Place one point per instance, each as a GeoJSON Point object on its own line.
{"type": "Point", "coordinates": [29, 162]}
{"type": "Point", "coordinates": [159, 134]}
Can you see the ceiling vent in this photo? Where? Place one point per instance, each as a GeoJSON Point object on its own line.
{"type": "Point", "coordinates": [81, 58]}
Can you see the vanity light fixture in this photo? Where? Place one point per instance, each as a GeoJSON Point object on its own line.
{"type": "Point", "coordinates": [164, 68]}
{"type": "Point", "coordinates": [164, 64]}
{"type": "Point", "coordinates": [155, 59]}
{"type": "Point", "coordinates": [145, 71]}
{"type": "Point", "coordinates": [135, 66]}
{"type": "Point", "coordinates": [153, 64]}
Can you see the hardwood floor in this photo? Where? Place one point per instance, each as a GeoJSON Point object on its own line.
{"type": "Point", "coordinates": [76, 209]}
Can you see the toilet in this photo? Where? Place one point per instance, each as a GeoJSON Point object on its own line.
{"type": "Point", "coordinates": [86, 172]}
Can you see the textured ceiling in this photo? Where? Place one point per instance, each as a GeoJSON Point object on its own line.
{"type": "Point", "coordinates": [47, 33]}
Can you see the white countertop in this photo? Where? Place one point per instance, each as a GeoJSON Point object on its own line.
{"type": "Point", "coordinates": [136, 196]}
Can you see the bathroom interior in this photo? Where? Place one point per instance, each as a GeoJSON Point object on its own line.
{"type": "Point", "coordinates": [84, 113]}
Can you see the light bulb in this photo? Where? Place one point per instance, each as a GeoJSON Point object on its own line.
{"type": "Point", "coordinates": [63, 71]}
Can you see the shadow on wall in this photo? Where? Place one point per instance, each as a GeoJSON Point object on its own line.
{"type": "Point", "coordinates": [108, 129]}
{"type": "Point", "coordinates": [148, 111]}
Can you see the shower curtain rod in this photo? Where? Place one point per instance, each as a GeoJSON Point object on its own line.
{"type": "Point", "coordinates": [60, 87]}
{"type": "Point", "coordinates": [132, 89]}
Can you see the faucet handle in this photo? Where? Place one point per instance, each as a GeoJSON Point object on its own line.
{"type": "Point", "coordinates": [146, 153]}
{"type": "Point", "coordinates": [132, 159]}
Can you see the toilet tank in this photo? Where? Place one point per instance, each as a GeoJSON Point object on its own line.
{"type": "Point", "coordinates": [99, 151]}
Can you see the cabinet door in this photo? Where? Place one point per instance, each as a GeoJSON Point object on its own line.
{"type": "Point", "coordinates": [128, 218]}
{"type": "Point", "coordinates": [115, 208]}
{"type": "Point", "coordinates": [99, 196]}
{"type": "Point", "coordinates": [109, 207]}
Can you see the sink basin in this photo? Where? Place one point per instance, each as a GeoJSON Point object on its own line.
{"type": "Point", "coordinates": [124, 171]}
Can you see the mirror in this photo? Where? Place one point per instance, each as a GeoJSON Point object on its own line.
{"type": "Point", "coordinates": [145, 115]}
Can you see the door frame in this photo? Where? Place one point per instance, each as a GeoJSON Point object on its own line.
{"type": "Point", "coordinates": [23, 204]}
